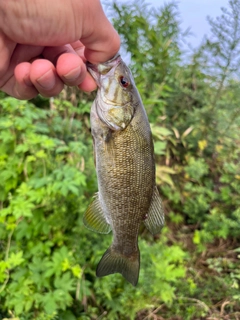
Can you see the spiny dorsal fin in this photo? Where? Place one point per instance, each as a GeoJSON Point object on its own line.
{"type": "Point", "coordinates": [155, 217]}
{"type": "Point", "coordinates": [94, 218]}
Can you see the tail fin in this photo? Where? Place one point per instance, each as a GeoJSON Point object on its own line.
{"type": "Point", "coordinates": [114, 262]}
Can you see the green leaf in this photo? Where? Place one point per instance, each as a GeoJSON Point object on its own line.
{"type": "Point", "coordinates": [15, 259]}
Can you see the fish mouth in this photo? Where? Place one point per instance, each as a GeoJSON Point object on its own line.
{"type": "Point", "coordinates": [108, 67]}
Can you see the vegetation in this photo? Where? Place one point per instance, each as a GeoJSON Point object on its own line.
{"type": "Point", "coordinates": [47, 178]}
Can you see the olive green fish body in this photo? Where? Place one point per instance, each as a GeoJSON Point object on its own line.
{"type": "Point", "coordinates": [125, 167]}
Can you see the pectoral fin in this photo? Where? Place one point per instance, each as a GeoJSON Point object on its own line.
{"type": "Point", "coordinates": [155, 217]}
{"type": "Point", "coordinates": [94, 218]}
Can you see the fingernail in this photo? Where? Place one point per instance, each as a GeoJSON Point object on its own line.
{"type": "Point", "coordinates": [73, 74]}
{"type": "Point", "coordinates": [47, 81]}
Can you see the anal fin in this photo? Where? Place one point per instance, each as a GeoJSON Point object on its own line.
{"type": "Point", "coordinates": [94, 218]}
{"type": "Point", "coordinates": [155, 217]}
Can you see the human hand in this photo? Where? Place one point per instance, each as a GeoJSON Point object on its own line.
{"type": "Point", "coordinates": [45, 44]}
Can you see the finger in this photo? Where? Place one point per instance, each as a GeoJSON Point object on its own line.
{"type": "Point", "coordinates": [11, 56]}
{"type": "Point", "coordinates": [102, 50]}
{"type": "Point", "coordinates": [69, 66]}
{"type": "Point", "coordinates": [88, 84]}
{"type": "Point", "coordinates": [71, 69]}
{"type": "Point", "coordinates": [18, 91]}
{"type": "Point", "coordinates": [100, 39]}
{"type": "Point", "coordinates": [44, 77]}
{"type": "Point", "coordinates": [53, 53]}
{"type": "Point", "coordinates": [23, 87]}
{"type": "Point", "coordinates": [79, 48]}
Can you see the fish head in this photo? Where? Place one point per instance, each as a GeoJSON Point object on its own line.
{"type": "Point", "coordinates": [117, 95]}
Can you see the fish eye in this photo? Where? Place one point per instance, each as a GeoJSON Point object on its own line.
{"type": "Point", "coordinates": [124, 81]}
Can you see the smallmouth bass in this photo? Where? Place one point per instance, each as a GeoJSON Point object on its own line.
{"type": "Point", "coordinates": [124, 159]}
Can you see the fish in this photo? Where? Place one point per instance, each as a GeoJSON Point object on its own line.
{"type": "Point", "coordinates": [125, 166]}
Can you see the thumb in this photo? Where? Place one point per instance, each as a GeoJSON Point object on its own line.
{"type": "Point", "coordinates": [101, 40]}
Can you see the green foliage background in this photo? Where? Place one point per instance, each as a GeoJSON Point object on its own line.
{"type": "Point", "coordinates": [47, 178]}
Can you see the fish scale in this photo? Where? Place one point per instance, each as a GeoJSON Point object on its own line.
{"type": "Point", "coordinates": [124, 159]}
